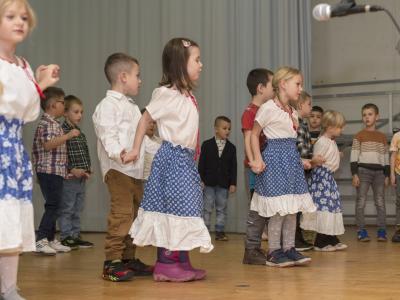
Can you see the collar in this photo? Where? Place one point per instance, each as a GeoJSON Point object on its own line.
{"type": "Point", "coordinates": [49, 117]}
{"type": "Point", "coordinates": [69, 126]}
{"type": "Point", "coordinates": [119, 96]}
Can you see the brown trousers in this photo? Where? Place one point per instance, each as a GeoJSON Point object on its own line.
{"type": "Point", "coordinates": [126, 194]}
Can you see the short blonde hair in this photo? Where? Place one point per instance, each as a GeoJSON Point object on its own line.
{"type": "Point", "coordinates": [332, 118]}
{"type": "Point", "coordinates": [283, 73]}
{"type": "Point", "coordinates": [4, 4]}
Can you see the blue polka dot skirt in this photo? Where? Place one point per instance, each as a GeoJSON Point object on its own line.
{"type": "Point", "coordinates": [170, 212]}
{"type": "Point", "coordinates": [323, 188]}
{"type": "Point", "coordinates": [16, 211]}
{"type": "Point", "coordinates": [281, 188]}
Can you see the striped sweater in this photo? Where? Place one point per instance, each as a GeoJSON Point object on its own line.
{"type": "Point", "coordinates": [370, 150]}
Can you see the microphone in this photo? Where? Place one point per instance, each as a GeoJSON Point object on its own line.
{"type": "Point", "coordinates": [323, 12]}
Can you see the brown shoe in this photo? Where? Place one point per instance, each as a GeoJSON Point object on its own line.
{"type": "Point", "coordinates": [254, 257]}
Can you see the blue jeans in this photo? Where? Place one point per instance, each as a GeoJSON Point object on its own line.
{"type": "Point", "coordinates": [51, 186]}
{"type": "Point", "coordinates": [218, 196]}
{"type": "Point", "coordinates": [71, 207]}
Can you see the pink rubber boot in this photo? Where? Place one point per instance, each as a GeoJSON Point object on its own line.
{"type": "Point", "coordinates": [186, 265]}
{"type": "Point", "coordinates": [168, 267]}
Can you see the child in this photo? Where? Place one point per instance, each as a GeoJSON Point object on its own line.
{"type": "Point", "coordinates": [170, 214]}
{"type": "Point", "coordinates": [19, 104]}
{"type": "Point", "coordinates": [153, 143]}
{"type": "Point", "coordinates": [218, 168]}
{"type": "Point", "coordinates": [304, 147]}
{"type": "Point", "coordinates": [79, 171]}
{"type": "Point", "coordinates": [395, 179]}
{"type": "Point", "coordinates": [314, 123]}
{"type": "Point", "coordinates": [328, 220]}
{"type": "Point", "coordinates": [281, 190]}
{"type": "Point", "coordinates": [115, 120]}
{"type": "Point", "coordinates": [49, 155]}
{"type": "Point", "coordinates": [369, 161]}
{"type": "Point", "coordinates": [259, 84]}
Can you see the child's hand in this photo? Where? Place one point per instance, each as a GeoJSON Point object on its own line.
{"type": "Point", "coordinates": [47, 75]}
{"type": "Point", "coordinates": [202, 185]}
{"type": "Point", "coordinates": [393, 179]}
{"type": "Point", "coordinates": [387, 181]}
{"type": "Point", "coordinates": [306, 164]}
{"type": "Point", "coordinates": [78, 173]}
{"type": "Point", "coordinates": [257, 166]}
{"type": "Point", "coordinates": [356, 181]}
{"type": "Point", "coordinates": [318, 160]}
{"type": "Point", "coordinates": [73, 133]}
{"type": "Point", "coordinates": [232, 189]}
{"type": "Point", "coordinates": [130, 156]}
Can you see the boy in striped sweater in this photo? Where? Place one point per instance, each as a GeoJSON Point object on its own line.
{"type": "Point", "coordinates": [369, 162]}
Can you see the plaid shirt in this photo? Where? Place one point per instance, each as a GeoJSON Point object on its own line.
{"type": "Point", "coordinates": [78, 151]}
{"type": "Point", "coordinates": [53, 161]}
{"type": "Point", "coordinates": [304, 140]}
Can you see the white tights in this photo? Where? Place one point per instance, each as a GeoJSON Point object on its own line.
{"type": "Point", "coordinates": [8, 273]}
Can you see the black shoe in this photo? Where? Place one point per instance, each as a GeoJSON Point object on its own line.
{"type": "Point", "coordinates": [70, 242]}
{"type": "Point", "coordinates": [302, 245]}
{"type": "Point", "coordinates": [139, 268]}
{"type": "Point", "coordinates": [82, 243]}
{"type": "Point", "coordinates": [254, 257]}
{"type": "Point", "coordinates": [396, 237]}
{"type": "Point", "coordinates": [116, 271]}
{"type": "Point", "coordinates": [220, 236]}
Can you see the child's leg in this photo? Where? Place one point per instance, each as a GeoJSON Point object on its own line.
{"type": "Point", "coordinates": [275, 232]}
{"type": "Point", "coordinates": [209, 196]}
{"type": "Point", "coordinates": [366, 177]}
{"type": "Point", "coordinates": [221, 205]}
{"type": "Point", "coordinates": [66, 208]}
{"type": "Point", "coordinates": [288, 231]}
{"type": "Point", "coordinates": [77, 209]}
{"type": "Point", "coordinates": [51, 187]}
{"type": "Point", "coordinates": [398, 199]}
{"type": "Point", "coordinates": [322, 240]}
{"type": "Point", "coordinates": [8, 274]}
{"type": "Point", "coordinates": [378, 188]}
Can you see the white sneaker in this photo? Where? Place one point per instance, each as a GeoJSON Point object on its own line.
{"type": "Point", "coordinates": [328, 248]}
{"type": "Point", "coordinates": [42, 246]}
{"type": "Point", "coordinates": [57, 246]}
{"type": "Point", "coordinates": [340, 246]}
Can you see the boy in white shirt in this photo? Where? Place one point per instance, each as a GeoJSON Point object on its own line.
{"type": "Point", "coordinates": [115, 120]}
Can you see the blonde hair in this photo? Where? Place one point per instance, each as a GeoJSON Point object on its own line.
{"type": "Point", "coordinates": [4, 4]}
{"type": "Point", "coordinates": [332, 118]}
{"type": "Point", "coordinates": [283, 73]}
{"type": "Point", "coordinates": [303, 98]}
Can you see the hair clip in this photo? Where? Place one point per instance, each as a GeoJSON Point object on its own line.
{"type": "Point", "coordinates": [186, 43]}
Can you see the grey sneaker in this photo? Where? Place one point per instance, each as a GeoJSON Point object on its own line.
{"type": "Point", "coordinates": [278, 258]}
{"type": "Point", "coordinates": [297, 257]}
{"type": "Point", "coordinates": [254, 257]}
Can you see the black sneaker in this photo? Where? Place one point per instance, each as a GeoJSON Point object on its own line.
{"type": "Point", "coordinates": [297, 257]}
{"type": "Point", "coordinates": [82, 243]}
{"type": "Point", "coordinates": [116, 271]}
{"type": "Point", "coordinates": [278, 258]}
{"type": "Point", "coordinates": [396, 237]}
{"type": "Point", "coordinates": [220, 236]}
{"type": "Point", "coordinates": [302, 245]}
{"type": "Point", "coordinates": [254, 257]}
{"type": "Point", "coordinates": [138, 267]}
{"type": "Point", "coordinates": [70, 242]}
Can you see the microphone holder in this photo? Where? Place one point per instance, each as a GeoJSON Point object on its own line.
{"type": "Point", "coordinates": [395, 25]}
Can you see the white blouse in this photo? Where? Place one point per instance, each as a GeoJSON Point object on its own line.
{"type": "Point", "coordinates": [19, 98]}
{"type": "Point", "coordinates": [176, 116]}
{"type": "Point", "coordinates": [329, 150]}
{"type": "Point", "coordinates": [275, 122]}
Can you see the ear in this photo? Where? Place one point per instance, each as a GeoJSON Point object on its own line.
{"type": "Point", "coordinates": [260, 88]}
{"type": "Point", "coordinates": [122, 77]}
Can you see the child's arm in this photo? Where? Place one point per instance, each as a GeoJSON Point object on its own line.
{"type": "Point", "coordinates": [202, 161]}
{"type": "Point", "coordinates": [257, 165]}
{"type": "Point", "coordinates": [232, 187]}
{"type": "Point", "coordinates": [47, 75]}
{"type": "Point", "coordinates": [355, 153]}
{"type": "Point", "coordinates": [247, 145]}
{"type": "Point", "coordinates": [392, 167]}
{"type": "Point", "coordinates": [59, 140]}
{"type": "Point", "coordinates": [133, 155]}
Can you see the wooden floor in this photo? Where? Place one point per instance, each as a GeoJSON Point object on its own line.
{"type": "Point", "coordinates": [365, 271]}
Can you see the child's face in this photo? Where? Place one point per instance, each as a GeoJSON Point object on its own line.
{"type": "Point", "coordinates": [194, 65]}
{"type": "Point", "coordinates": [293, 87]}
{"type": "Point", "coordinates": [369, 117]}
{"type": "Point", "coordinates": [133, 80]}
{"type": "Point", "coordinates": [74, 114]}
{"type": "Point", "coordinates": [151, 127]}
{"type": "Point", "coordinates": [314, 120]}
{"type": "Point", "coordinates": [305, 108]}
{"type": "Point", "coordinates": [14, 25]}
{"type": "Point", "coordinates": [58, 107]}
{"type": "Point", "coordinates": [222, 129]}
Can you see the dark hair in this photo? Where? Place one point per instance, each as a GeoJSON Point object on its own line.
{"type": "Point", "coordinates": [256, 77]}
{"type": "Point", "coordinates": [221, 118]}
{"type": "Point", "coordinates": [51, 94]}
{"type": "Point", "coordinates": [71, 99]}
{"type": "Point", "coordinates": [369, 106]}
{"type": "Point", "coordinates": [175, 58]}
{"type": "Point", "coordinates": [142, 110]}
{"type": "Point", "coordinates": [117, 63]}
{"type": "Point", "coordinates": [317, 109]}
